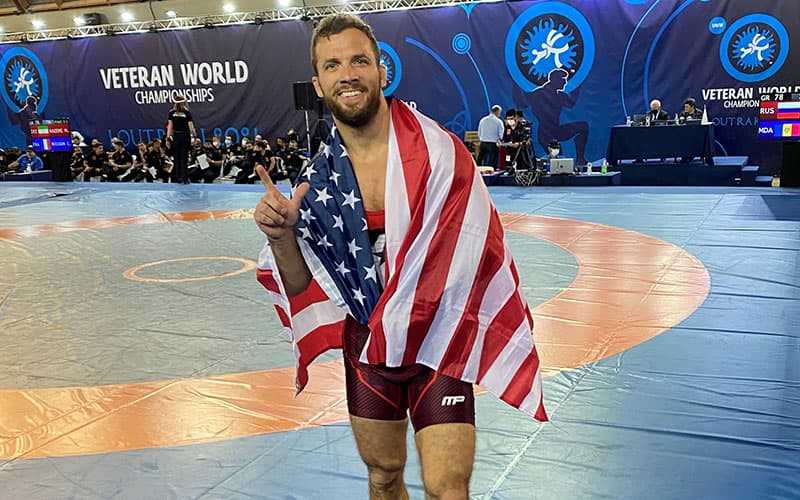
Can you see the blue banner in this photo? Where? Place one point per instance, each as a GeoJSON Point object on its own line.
{"type": "Point", "coordinates": [576, 68]}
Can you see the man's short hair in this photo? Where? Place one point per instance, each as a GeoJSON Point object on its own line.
{"type": "Point", "coordinates": [337, 23]}
{"type": "Point", "coordinates": [691, 102]}
{"type": "Point", "coordinates": [511, 112]}
{"type": "Point", "coordinates": [496, 108]}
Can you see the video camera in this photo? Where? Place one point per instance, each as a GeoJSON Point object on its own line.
{"type": "Point", "coordinates": [524, 130]}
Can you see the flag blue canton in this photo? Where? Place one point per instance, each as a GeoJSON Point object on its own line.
{"type": "Point", "coordinates": [334, 224]}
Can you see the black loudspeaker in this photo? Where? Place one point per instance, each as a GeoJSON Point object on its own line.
{"type": "Point", "coordinates": [94, 19]}
{"type": "Point", "coordinates": [305, 97]}
{"type": "Point", "coordinates": [790, 165]}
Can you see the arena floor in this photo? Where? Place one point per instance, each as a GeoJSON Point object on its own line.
{"type": "Point", "coordinates": [141, 359]}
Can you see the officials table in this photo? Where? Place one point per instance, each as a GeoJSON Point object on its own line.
{"type": "Point", "coordinates": [661, 141]}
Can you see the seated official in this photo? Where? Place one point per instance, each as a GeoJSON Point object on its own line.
{"type": "Point", "coordinates": [554, 149]}
{"type": "Point", "coordinates": [656, 113]}
{"type": "Point", "coordinates": [690, 111]}
{"type": "Point", "coordinates": [28, 162]}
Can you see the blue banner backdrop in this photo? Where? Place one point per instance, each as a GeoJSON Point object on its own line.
{"type": "Point", "coordinates": [575, 67]}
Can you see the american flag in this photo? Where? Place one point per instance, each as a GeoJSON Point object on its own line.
{"type": "Point", "coordinates": [452, 298]}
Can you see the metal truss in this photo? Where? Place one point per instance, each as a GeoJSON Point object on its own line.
{"type": "Point", "coordinates": [306, 14]}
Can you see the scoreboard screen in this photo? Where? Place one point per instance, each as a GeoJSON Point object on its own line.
{"type": "Point", "coordinates": [51, 135]}
{"type": "Point", "coordinates": [779, 117]}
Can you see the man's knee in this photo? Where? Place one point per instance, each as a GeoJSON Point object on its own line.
{"type": "Point", "coordinates": [450, 487]}
{"type": "Point", "coordinates": [386, 474]}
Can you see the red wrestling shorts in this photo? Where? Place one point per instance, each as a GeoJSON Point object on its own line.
{"type": "Point", "coordinates": [382, 393]}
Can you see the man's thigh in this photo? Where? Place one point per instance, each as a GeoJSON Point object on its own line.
{"type": "Point", "coordinates": [381, 443]}
{"type": "Point", "coordinates": [446, 454]}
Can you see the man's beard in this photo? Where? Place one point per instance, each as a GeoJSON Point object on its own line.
{"type": "Point", "coordinates": [355, 117]}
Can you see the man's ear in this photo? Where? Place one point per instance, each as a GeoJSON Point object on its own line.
{"type": "Point", "coordinates": [384, 78]}
{"type": "Point", "coordinates": [317, 88]}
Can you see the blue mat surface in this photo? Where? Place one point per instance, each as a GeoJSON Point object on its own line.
{"type": "Point", "coordinates": [707, 409]}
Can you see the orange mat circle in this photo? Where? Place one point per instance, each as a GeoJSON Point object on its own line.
{"type": "Point", "coordinates": [247, 265]}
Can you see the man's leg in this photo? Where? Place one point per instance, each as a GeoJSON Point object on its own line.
{"type": "Point", "coordinates": [382, 446]}
{"type": "Point", "coordinates": [446, 454]}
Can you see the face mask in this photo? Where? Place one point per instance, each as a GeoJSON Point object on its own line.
{"type": "Point", "coordinates": [555, 152]}
{"type": "Point", "coordinates": [244, 143]}
{"type": "Point", "coordinates": [511, 123]}
{"type": "Point", "coordinates": [228, 142]}
{"type": "Point", "coordinates": [216, 144]}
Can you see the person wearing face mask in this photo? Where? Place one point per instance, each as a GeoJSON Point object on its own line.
{"type": "Point", "coordinates": [512, 140]}
{"type": "Point", "coordinates": [554, 149]}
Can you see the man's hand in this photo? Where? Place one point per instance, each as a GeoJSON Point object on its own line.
{"type": "Point", "coordinates": [275, 215]}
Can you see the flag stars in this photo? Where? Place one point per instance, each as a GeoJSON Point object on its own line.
{"type": "Point", "coordinates": [353, 248]}
{"type": "Point", "coordinates": [306, 215]}
{"type": "Point", "coordinates": [335, 177]}
{"type": "Point", "coordinates": [351, 199]}
{"type": "Point", "coordinates": [359, 296]}
{"type": "Point", "coordinates": [305, 233]}
{"type": "Point", "coordinates": [366, 226]}
{"type": "Point", "coordinates": [344, 152]}
{"type": "Point", "coordinates": [322, 195]}
{"type": "Point", "coordinates": [309, 171]}
{"type": "Point", "coordinates": [341, 269]}
{"type": "Point", "coordinates": [371, 273]}
{"type": "Point", "coordinates": [323, 242]}
{"type": "Point", "coordinates": [338, 223]}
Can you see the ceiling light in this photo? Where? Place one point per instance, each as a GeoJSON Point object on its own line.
{"type": "Point", "coordinates": [172, 14]}
{"type": "Point", "coordinates": [126, 16]}
{"type": "Point", "coordinates": [228, 7]}
{"type": "Point", "coordinates": [284, 3]}
{"type": "Point", "coordinates": [79, 20]}
{"type": "Point", "coordinates": [38, 24]}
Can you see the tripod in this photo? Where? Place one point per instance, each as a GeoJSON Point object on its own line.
{"type": "Point", "coordinates": [525, 170]}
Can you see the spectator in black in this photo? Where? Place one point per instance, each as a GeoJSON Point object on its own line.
{"type": "Point", "coordinates": [295, 159]}
{"type": "Point", "coordinates": [254, 157]}
{"type": "Point", "coordinates": [214, 158]}
{"type": "Point", "coordinates": [119, 162]}
{"type": "Point", "coordinates": [280, 147]}
{"type": "Point", "coordinates": [95, 163]}
{"type": "Point", "coordinates": [76, 161]}
{"type": "Point", "coordinates": [141, 169]}
{"type": "Point", "coordinates": [158, 160]}
{"type": "Point", "coordinates": [180, 128]}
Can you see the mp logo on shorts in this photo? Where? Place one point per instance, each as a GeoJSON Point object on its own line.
{"type": "Point", "coordinates": [545, 37]}
{"type": "Point", "coordinates": [24, 77]}
{"type": "Point", "coordinates": [754, 48]}
{"type": "Point", "coordinates": [452, 400]}
{"type": "Point", "coordinates": [394, 69]}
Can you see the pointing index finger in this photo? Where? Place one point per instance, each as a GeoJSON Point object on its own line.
{"type": "Point", "coordinates": [265, 180]}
